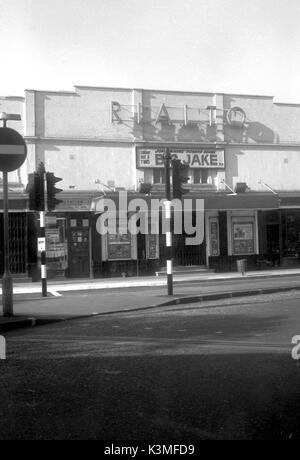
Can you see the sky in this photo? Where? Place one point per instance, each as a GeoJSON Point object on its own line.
{"type": "Point", "coordinates": [224, 46]}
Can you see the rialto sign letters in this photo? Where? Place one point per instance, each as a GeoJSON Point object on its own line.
{"type": "Point", "coordinates": [194, 158]}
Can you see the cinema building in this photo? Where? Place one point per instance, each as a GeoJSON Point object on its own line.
{"type": "Point", "coordinates": [243, 153]}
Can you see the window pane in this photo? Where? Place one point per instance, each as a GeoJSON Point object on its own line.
{"type": "Point", "coordinates": [204, 176]}
{"type": "Point", "coordinates": [158, 176]}
{"type": "Point", "coordinates": [197, 176]}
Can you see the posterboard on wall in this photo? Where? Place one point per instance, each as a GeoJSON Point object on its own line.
{"type": "Point", "coordinates": [56, 247]}
{"type": "Point", "coordinates": [152, 248]}
{"type": "Point", "coordinates": [243, 238]}
{"type": "Point", "coordinates": [214, 237]}
{"type": "Point", "coordinates": [119, 246]}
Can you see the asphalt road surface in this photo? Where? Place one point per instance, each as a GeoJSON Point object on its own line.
{"type": "Point", "coordinates": [222, 371]}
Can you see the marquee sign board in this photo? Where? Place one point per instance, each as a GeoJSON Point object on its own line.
{"type": "Point", "coordinates": [13, 150]}
{"type": "Point", "coordinates": [194, 158]}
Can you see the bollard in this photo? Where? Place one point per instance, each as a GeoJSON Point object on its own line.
{"type": "Point", "coordinates": [2, 347]}
{"type": "Point", "coordinates": [241, 266]}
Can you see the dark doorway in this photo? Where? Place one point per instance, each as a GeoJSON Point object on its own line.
{"type": "Point", "coordinates": [188, 255]}
{"type": "Point", "coordinates": [273, 245]}
{"type": "Point", "coordinates": [79, 242]}
{"type": "Point", "coordinates": [183, 255]}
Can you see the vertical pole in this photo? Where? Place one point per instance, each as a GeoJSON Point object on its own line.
{"type": "Point", "coordinates": [91, 252]}
{"type": "Point", "coordinates": [43, 235]}
{"type": "Point", "coordinates": [280, 238]}
{"type": "Point", "coordinates": [7, 281]}
{"type": "Point", "coordinates": [168, 223]}
{"type": "Point", "coordinates": [43, 255]}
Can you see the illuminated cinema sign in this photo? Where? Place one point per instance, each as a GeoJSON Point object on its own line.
{"type": "Point", "coordinates": [194, 158]}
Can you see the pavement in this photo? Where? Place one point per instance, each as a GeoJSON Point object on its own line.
{"type": "Point", "coordinates": [70, 299]}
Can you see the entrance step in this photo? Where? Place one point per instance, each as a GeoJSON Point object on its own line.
{"type": "Point", "coordinates": [186, 270]}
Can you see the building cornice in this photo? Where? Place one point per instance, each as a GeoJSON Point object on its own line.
{"type": "Point", "coordinates": [87, 140]}
{"type": "Point", "coordinates": [59, 92]}
{"type": "Point", "coordinates": [277, 146]}
{"type": "Point", "coordinates": [141, 143]}
{"type": "Point", "coordinates": [13, 98]}
{"type": "Point", "coordinates": [145, 90]}
{"type": "Point", "coordinates": [222, 144]}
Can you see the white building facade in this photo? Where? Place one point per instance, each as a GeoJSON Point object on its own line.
{"type": "Point", "coordinates": [243, 156]}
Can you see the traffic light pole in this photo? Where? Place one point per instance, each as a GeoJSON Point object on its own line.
{"type": "Point", "coordinates": [168, 223]}
{"type": "Point", "coordinates": [43, 235]}
{"type": "Point", "coordinates": [43, 255]}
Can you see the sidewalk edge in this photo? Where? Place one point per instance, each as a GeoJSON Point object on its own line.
{"type": "Point", "coordinates": [40, 321]}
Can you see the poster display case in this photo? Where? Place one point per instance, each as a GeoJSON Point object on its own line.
{"type": "Point", "coordinates": [57, 246]}
{"type": "Point", "coordinates": [152, 246]}
{"type": "Point", "coordinates": [243, 237]}
{"type": "Point", "coordinates": [214, 236]}
{"type": "Point", "coordinates": [119, 246]}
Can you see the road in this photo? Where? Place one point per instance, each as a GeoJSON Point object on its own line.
{"type": "Point", "coordinates": [222, 371]}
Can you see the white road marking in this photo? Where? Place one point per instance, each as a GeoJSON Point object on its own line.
{"type": "Point", "coordinates": [55, 293]}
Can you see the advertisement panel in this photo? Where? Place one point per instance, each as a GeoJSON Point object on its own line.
{"type": "Point", "coordinates": [119, 246]}
{"type": "Point", "coordinates": [194, 158]}
{"type": "Point", "coordinates": [243, 238]}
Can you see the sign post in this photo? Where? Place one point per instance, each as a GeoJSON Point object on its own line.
{"type": "Point", "coordinates": [13, 153]}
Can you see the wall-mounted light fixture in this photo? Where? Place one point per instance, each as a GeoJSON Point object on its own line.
{"type": "Point", "coordinates": [229, 188]}
{"type": "Point", "coordinates": [259, 181]}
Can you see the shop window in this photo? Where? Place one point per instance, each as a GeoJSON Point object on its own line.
{"type": "Point", "coordinates": [200, 176]}
{"type": "Point", "coordinates": [291, 233]}
{"type": "Point", "coordinates": [272, 217]}
{"type": "Point", "coordinates": [158, 176]}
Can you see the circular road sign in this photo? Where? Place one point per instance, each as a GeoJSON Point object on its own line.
{"type": "Point", "coordinates": [13, 150]}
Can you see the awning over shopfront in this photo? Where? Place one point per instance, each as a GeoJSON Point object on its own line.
{"type": "Point", "coordinates": [289, 199]}
{"type": "Point", "coordinates": [212, 202]}
{"type": "Point", "coordinates": [76, 200]}
{"type": "Point", "coordinates": [241, 201]}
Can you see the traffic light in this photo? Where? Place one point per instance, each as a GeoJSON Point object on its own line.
{"type": "Point", "coordinates": [145, 188]}
{"type": "Point", "coordinates": [35, 188]}
{"type": "Point", "coordinates": [52, 201]}
{"type": "Point", "coordinates": [180, 177]}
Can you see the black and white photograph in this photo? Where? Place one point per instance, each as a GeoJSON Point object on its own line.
{"type": "Point", "coordinates": [150, 223]}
